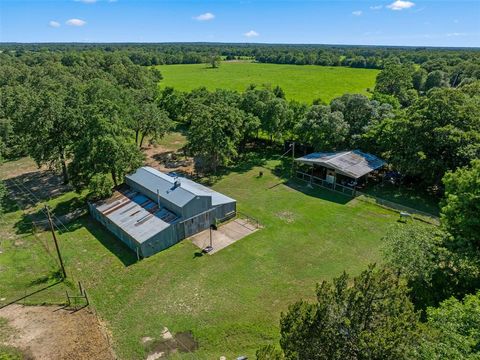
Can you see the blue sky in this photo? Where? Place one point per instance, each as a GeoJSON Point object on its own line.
{"type": "Point", "coordinates": [394, 22]}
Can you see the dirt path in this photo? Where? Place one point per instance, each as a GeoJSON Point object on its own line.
{"type": "Point", "coordinates": [167, 159]}
{"type": "Point", "coordinates": [49, 332]}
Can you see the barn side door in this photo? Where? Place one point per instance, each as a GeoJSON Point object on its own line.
{"type": "Point", "coordinates": [197, 223]}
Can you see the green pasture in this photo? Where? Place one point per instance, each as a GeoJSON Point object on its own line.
{"type": "Point", "coordinates": [300, 82]}
{"type": "Point", "coordinates": [231, 301]}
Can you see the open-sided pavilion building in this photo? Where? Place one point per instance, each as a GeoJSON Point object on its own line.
{"type": "Point", "coordinates": [343, 170]}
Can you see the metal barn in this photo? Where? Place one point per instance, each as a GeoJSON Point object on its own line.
{"type": "Point", "coordinates": [153, 211]}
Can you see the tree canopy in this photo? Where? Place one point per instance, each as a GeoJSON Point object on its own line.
{"type": "Point", "coordinates": [372, 318]}
{"type": "Point", "coordinates": [461, 206]}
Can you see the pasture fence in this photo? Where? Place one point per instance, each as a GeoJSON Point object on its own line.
{"type": "Point", "coordinates": [349, 191]}
{"type": "Point", "coordinates": [77, 302]}
{"type": "Point", "coordinates": [250, 219]}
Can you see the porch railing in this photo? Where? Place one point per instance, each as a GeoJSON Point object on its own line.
{"type": "Point", "coordinates": [347, 190]}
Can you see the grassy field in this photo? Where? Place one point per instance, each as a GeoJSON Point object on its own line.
{"type": "Point", "coordinates": [231, 301]}
{"type": "Point", "coordinates": [303, 83]}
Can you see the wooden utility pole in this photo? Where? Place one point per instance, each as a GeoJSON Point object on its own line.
{"type": "Point", "coordinates": [55, 241]}
{"type": "Point", "coordinates": [293, 157]}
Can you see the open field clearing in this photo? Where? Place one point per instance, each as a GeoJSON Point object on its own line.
{"type": "Point", "coordinates": [300, 82]}
{"type": "Point", "coordinates": [230, 301]}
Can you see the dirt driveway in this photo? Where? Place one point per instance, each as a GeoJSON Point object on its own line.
{"type": "Point", "coordinates": [51, 333]}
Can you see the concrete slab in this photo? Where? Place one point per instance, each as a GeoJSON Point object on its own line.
{"type": "Point", "coordinates": [226, 235]}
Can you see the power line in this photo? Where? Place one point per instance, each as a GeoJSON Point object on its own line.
{"type": "Point", "coordinates": [21, 186]}
{"type": "Point", "coordinates": [46, 213]}
{"type": "Point", "coordinates": [32, 225]}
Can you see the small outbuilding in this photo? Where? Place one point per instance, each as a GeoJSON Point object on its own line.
{"type": "Point", "coordinates": [344, 168]}
{"type": "Point", "coordinates": [153, 210]}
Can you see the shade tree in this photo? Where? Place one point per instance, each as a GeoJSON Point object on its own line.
{"type": "Point", "coordinates": [322, 128]}
{"type": "Point", "coordinates": [367, 317]}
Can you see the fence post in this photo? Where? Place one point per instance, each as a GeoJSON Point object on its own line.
{"type": "Point", "coordinates": [86, 297]}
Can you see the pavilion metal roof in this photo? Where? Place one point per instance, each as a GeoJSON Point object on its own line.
{"type": "Point", "coordinates": [354, 164]}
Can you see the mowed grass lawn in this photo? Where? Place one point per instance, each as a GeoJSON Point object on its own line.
{"type": "Point", "coordinates": [300, 82]}
{"type": "Point", "coordinates": [231, 300]}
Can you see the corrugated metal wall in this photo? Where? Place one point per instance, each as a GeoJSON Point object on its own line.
{"type": "Point", "coordinates": [223, 210]}
{"type": "Point", "coordinates": [170, 235]}
{"type": "Point", "coordinates": [160, 241]}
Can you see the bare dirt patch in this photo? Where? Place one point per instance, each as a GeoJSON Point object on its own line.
{"type": "Point", "coordinates": [167, 159]}
{"type": "Point", "coordinates": [170, 344]}
{"type": "Point", "coordinates": [286, 216]}
{"type": "Point", "coordinates": [49, 332]}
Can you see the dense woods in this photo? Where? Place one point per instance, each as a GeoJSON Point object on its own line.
{"type": "Point", "coordinates": [421, 117]}
{"type": "Point", "coordinates": [87, 110]}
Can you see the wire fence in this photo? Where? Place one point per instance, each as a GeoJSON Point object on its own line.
{"type": "Point", "coordinates": [416, 214]}
{"type": "Point", "coordinates": [250, 219]}
{"type": "Point", "coordinates": [348, 191]}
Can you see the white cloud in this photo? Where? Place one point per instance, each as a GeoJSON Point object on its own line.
{"type": "Point", "coordinates": [400, 5]}
{"type": "Point", "coordinates": [251, 34]}
{"type": "Point", "coordinates": [357, 12]}
{"type": "Point", "coordinates": [205, 17]}
{"type": "Point", "coordinates": [376, 7]}
{"type": "Point", "coordinates": [457, 34]}
{"type": "Point", "coordinates": [54, 24]}
{"type": "Point", "coordinates": [75, 22]}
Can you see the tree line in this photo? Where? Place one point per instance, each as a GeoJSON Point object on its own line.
{"type": "Point", "coordinates": [66, 113]}
{"type": "Point", "coordinates": [88, 121]}
{"type": "Point", "coordinates": [374, 57]}
{"type": "Point", "coordinates": [421, 133]}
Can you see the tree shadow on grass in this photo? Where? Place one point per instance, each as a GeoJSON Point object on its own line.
{"type": "Point", "coordinates": [28, 189]}
{"type": "Point", "coordinates": [108, 240]}
{"type": "Point", "coordinates": [245, 163]}
{"type": "Point", "coordinates": [64, 215]}
{"type": "Point", "coordinates": [320, 193]}
{"type": "Point", "coordinates": [284, 171]}
{"type": "Point", "coordinates": [54, 276]}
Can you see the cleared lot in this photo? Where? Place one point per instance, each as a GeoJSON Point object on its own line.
{"type": "Point", "coordinates": [51, 333]}
{"type": "Point", "coordinates": [229, 302]}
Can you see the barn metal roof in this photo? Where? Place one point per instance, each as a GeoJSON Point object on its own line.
{"type": "Point", "coordinates": [181, 195]}
{"type": "Point", "coordinates": [199, 189]}
{"type": "Point", "coordinates": [353, 163]}
{"type": "Point", "coordinates": [137, 215]}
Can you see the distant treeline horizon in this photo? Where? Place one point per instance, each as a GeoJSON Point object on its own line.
{"type": "Point", "coordinates": [356, 56]}
{"type": "Point", "coordinates": [248, 44]}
